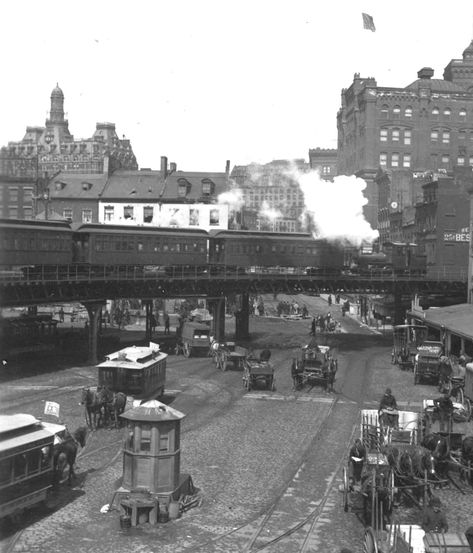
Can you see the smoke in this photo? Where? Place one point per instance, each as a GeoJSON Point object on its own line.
{"type": "Point", "coordinates": [269, 213]}
{"type": "Point", "coordinates": [334, 210]}
{"type": "Point", "coordinates": [233, 198]}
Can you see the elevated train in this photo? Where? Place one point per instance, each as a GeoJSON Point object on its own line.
{"type": "Point", "coordinates": [29, 244]}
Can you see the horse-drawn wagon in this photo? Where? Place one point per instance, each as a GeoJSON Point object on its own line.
{"type": "Point", "coordinates": [258, 372]}
{"type": "Point", "coordinates": [428, 362]}
{"type": "Point", "coordinates": [406, 340]}
{"type": "Point", "coordinates": [316, 366]}
{"type": "Point", "coordinates": [226, 354]}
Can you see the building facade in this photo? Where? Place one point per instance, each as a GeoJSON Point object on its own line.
{"type": "Point", "coordinates": [427, 125]}
{"type": "Point", "coordinates": [49, 151]}
{"type": "Point", "coordinates": [273, 193]}
{"type": "Point", "coordinates": [324, 160]}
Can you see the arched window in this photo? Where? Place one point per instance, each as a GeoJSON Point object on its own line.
{"type": "Point", "coordinates": [385, 111]}
{"type": "Point", "coordinates": [447, 112]}
{"type": "Point", "coordinates": [408, 112]}
{"type": "Point", "coordinates": [435, 113]}
{"type": "Point", "coordinates": [462, 113]}
{"type": "Point", "coordinates": [383, 135]}
{"type": "Point", "coordinates": [396, 112]}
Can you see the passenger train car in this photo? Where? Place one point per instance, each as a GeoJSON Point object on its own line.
{"type": "Point", "coordinates": [26, 462]}
{"type": "Point", "coordinates": [28, 245]}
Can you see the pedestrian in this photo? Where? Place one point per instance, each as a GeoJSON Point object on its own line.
{"type": "Point", "coordinates": [61, 315]}
{"type": "Point", "coordinates": [444, 408]}
{"type": "Point", "coordinates": [434, 519]}
{"type": "Point", "coordinates": [357, 459]}
{"type": "Point", "coordinates": [152, 322]}
{"type": "Point", "coordinates": [329, 300]}
{"type": "Point", "coordinates": [387, 411]}
{"type": "Point", "coordinates": [312, 327]}
{"type": "Point", "coordinates": [166, 324]}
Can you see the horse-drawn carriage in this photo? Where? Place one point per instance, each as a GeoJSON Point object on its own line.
{"type": "Point", "coordinates": [406, 340]}
{"type": "Point", "coordinates": [316, 366]}
{"type": "Point", "coordinates": [258, 372]}
{"type": "Point", "coordinates": [226, 354]}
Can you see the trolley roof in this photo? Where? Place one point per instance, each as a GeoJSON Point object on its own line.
{"type": "Point", "coordinates": [134, 357]}
{"type": "Point", "coordinates": [22, 429]}
{"type": "Point", "coordinates": [9, 423]}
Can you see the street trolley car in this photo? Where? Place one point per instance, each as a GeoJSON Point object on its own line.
{"type": "Point", "coordinates": [406, 340]}
{"type": "Point", "coordinates": [137, 371]}
{"type": "Point", "coordinates": [26, 462]}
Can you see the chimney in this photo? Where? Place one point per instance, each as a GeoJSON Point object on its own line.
{"type": "Point", "coordinates": [173, 167]}
{"type": "Point", "coordinates": [164, 166]}
{"type": "Point", "coordinates": [425, 73]}
{"type": "Point", "coordinates": [227, 167]}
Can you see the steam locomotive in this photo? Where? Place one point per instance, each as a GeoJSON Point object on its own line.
{"type": "Point", "coordinates": [27, 244]}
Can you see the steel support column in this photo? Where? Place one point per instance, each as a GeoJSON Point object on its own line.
{"type": "Point", "coordinates": [217, 310]}
{"type": "Point", "coordinates": [148, 310]}
{"type": "Point", "coordinates": [94, 310]}
{"type": "Point", "coordinates": [242, 318]}
{"type": "Point", "coordinates": [399, 311]}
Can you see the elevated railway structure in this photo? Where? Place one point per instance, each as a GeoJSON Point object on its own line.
{"type": "Point", "coordinates": [92, 285]}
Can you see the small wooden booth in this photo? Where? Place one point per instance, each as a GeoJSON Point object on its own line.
{"type": "Point", "coordinates": [152, 482]}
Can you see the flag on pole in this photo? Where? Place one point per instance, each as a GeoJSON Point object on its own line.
{"type": "Point", "coordinates": [51, 408]}
{"type": "Point", "coordinates": [368, 22]}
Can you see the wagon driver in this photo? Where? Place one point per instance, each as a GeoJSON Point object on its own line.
{"type": "Point", "coordinates": [387, 408]}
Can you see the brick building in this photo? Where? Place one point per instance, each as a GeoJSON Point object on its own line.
{"type": "Point", "coordinates": [426, 125]}
{"type": "Point", "coordinates": [27, 166]}
{"type": "Point", "coordinates": [324, 160]}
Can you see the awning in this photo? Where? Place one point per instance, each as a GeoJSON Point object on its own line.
{"type": "Point", "coordinates": [458, 319]}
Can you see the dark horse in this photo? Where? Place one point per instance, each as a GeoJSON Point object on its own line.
{"type": "Point", "coordinates": [467, 458]}
{"type": "Point", "coordinates": [114, 405]}
{"type": "Point", "coordinates": [438, 445]}
{"type": "Point", "coordinates": [65, 453]}
{"type": "Point", "coordinates": [94, 402]}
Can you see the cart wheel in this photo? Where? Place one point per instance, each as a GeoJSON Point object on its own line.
{"type": "Point", "coordinates": [370, 543]}
{"type": "Point", "coordinates": [346, 485]}
{"type": "Point", "coordinates": [467, 406]}
{"type": "Point", "coordinates": [392, 490]}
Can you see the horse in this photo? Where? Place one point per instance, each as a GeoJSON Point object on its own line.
{"type": "Point", "coordinates": [467, 457]}
{"type": "Point", "coordinates": [438, 446]}
{"type": "Point", "coordinates": [65, 453]}
{"type": "Point", "coordinates": [409, 466]}
{"type": "Point", "coordinates": [114, 405]}
{"type": "Point", "coordinates": [93, 401]}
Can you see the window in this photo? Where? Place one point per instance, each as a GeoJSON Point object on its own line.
{"type": "Point", "coordinates": [13, 212]}
{"type": "Point", "coordinates": [5, 471]}
{"type": "Point", "coordinates": [461, 160]}
{"type": "Point", "coordinates": [207, 187]}
{"type": "Point", "coordinates": [461, 135]}
{"type": "Point", "coordinates": [408, 112]}
{"type": "Point", "coordinates": [434, 136]}
{"type": "Point", "coordinates": [27, 212]}
{"type": "Point", "coordinates": [395, 135]}
{"type": "Point", "coordinates": [435, 113]}
{"type": "Point", "coordinates": [128, 212]}
{"type": "Point", "coordinates": [446, 137]}
{"type": "Point", "coordinates": [86, 215]}
{"type": "Point", "coordinates": [147, 214]}
{"type": "Point", "coordinates": [407, 136]}
{"type": "Point", "coordinates": [383, 159]}
{"type": "Point", "coordinates": [13, 193]}
{"type": "Point", "coordinates": [182, 190]}
{"type": "Point", "coordinates": [193, 217]}
{"type": "Point", "coordinates": [383, 135]}
{"type": "Point", "coordinates": [384, 111]}
{"type": "Point", "coordinates": [462, 113]}
{"type": "Point", "coordinates": [214, 217]}
{"type": "Point", "coordinates": [445, 159]}
{"type": "Point", "coordinates": [447, 112]}
{"type": "Point", "coordinates": [394, 160]}
{"type": "Point", "coordinates": [326, 170]}
{"type": "Point", "coordinates": [164, 442]}
{"type": "Point", "coordinates": [108, 213]}
{"type": "Point", "coordinates": [67, 214]}
{"type": "Point", "coordinates": [406, 160]}
{"type": "Point", "coordinates": [470, 161]}
{"type": "Point", "coordinates": [396, 112]}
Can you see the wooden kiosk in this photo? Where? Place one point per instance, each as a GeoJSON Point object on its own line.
{"type": "Point", "coordinates": [151, 463]}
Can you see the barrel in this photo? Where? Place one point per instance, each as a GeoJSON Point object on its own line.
{"type": "Point", "coordinates": [174, 510]}
{"type": "Point", "coordinates": [125, 522]}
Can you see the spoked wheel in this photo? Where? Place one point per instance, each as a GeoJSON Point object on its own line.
{"type": "Point", "coordinates": [370, 543]}
{"type": "Point", "coordinates": [346, 486]}
{"type": "Point", "coordinates": [392, 490]}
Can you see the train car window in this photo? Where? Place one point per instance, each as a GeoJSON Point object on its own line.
{"type": "Point", "coordinates": [165, 247]}
{"type": "Point", "coordinates": [164, 442]}
{"type": "Point", "coordinates": [157, 246]}
{"type": "Point", "coordinates": [19, 466]}
{"type": "Point", "coordinates": [33, 461]}
{"type": "Point", "coordinates": [5, 471]}
{"type": "Point", "coordinates": [145, 438]}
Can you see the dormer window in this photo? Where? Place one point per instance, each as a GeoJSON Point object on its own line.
{"type": "Point", "coordinates": [184, 187]}
{"type": "Point", "coordinates": [208, 187]}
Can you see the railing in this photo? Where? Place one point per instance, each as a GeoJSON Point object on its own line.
{"type": "Point", "coordinates": [88, 273]}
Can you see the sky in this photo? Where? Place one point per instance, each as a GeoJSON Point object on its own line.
{"type": "Point", "coordinates": [205, 81]}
